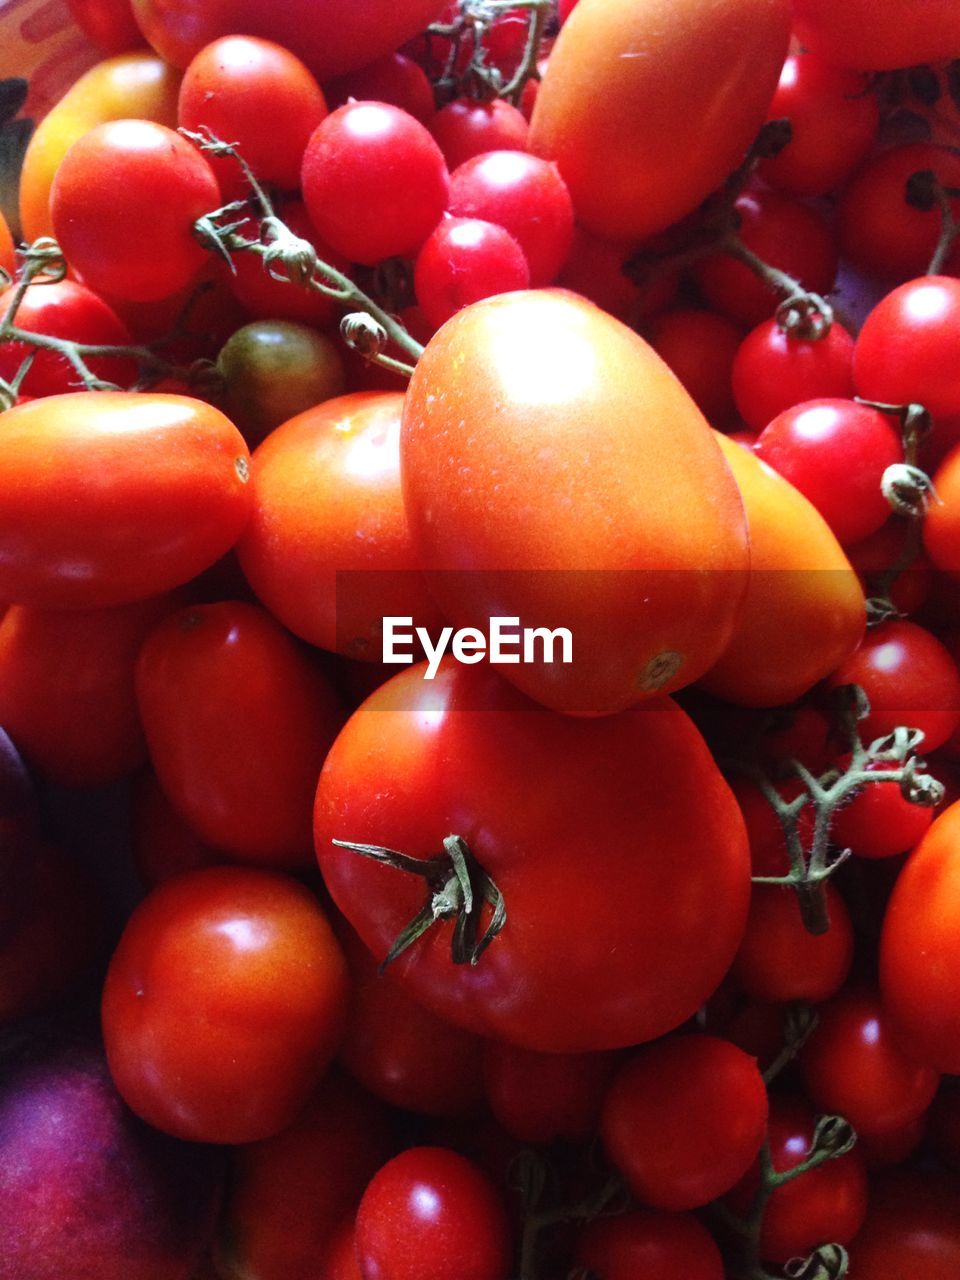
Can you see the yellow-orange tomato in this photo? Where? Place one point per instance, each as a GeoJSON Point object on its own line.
{"type": "Point", "coordinates": [556, 472]}
{"type": "Point", "coordinates": [137, 86]}
{"type": "Point", "coordinates": [6, 246]}
{"type": "Point", "coordinates": [647, 105]}
{"type": "Point", "coordinates": [804, 609]}
{"type": "Point", "coordinates": [941, 526]}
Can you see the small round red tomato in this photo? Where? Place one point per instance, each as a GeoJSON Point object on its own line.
{"type": "Point", "coordinates": [395, 79]}
{"type": "Point", "coordinates": [109, 24]}
{"type": "Point", "coordinates": [854, 1066]}
{"type": "Point", "coordinates": [223, 1004]}
{"type": "Point", "coordinates": [534, 795]}
{"type": "Point", "coordinates": [238, 722]}
{"type": "Point", "coordinates": [920, 946]}
{"type": "Point", "coordinates": [879, 822]}
{"type": "Point", "coordinates": [328, 550]}
{"type": "Point", "coordinates": [699, 346]}
{"type": "Point", "coordinates": [465, 128]}
{"type": "Point", "coordinates": [114, 181]}
{"type": "Point", "coordinates": [773, 370]}
{"type": "Point", "coordinates": [683, 1120]}
{"type": "Point", "coordinates": [641, 1245]}
{"type": "Point", "coordinates": [108, 497]}
{"type": "Point", "coordinates": [259, 97]}
{"type": "Point", "coordinates": [540, 1097]}
{"type": "Point", "coordinates": [374, 181]}
{"type": "Point", "coordinates": [912, 1228]}
{"type": "Point", "coordinates": [462, 261]}
{"type": "Point", "coordinates": [780, 960]}
{"type": "Point", "coordinates": [430, 1214]}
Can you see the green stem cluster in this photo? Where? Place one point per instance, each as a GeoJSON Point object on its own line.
{"type": "Point", "coordinates": [478, 79]}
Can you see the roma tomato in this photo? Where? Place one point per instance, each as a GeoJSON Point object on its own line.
{"type": "Point", "coordinates": [511, 511]}
{"type": "Point", "coordinates": [331, 37]}
{"type": "Point", "coordinates": [328, 550]}
{"type": "Point", "coordinates": [804, 611]}
{"type": "Point", "coordinates": [109, 497]}
{"type": "Point", "coordinates": [534, 795]}
{"type": "Point", "coordinates": [223, 1004]}
{"type": "Point", "coordinates": [647, 105]}
{"type": "Point", "coordinates": [430, 1214]}
{"type": "Point", "coordinates": [238, 722]}
{"type": "Point", "coordinates": [920, 948]}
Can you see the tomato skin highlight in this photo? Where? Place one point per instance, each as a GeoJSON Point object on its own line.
{"type": "Point", "coordinates": [648, 105]}
{"type": "Point", "coordinates": [536, 488]}
{"type": "Point", "coordinates": [536, 796]}
{"type": "Point", "coordinates": [109, 497]}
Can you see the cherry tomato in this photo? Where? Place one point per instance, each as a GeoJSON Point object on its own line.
{"type": "Point", "coordinates": [861, 34]}
{"type": "Point", "coordinates": [911, 1229]}
{"type": "Point", "coordinates": [774, 370]}
{"type": "Point", "coordinates": [699, 346]}
{"type": "Point", "coordinates": [462, 261]}
{"type": "Point", "coordinates": [643, 1245]}
{"type": "Point", "coordinates": [429, 1214]}
{"type": "Point", "coordinates": [647, 107]}
{"type": "Point", "coordinates": [854, 1066]}
{"type": "Point", "coordinates": [684, 1120]}
{"type": "Point", "coordinates": [779, 960]}
{"type": "Point", "coordinates": [328, 550]}
{"type": "Point", "coordinates": [544, 474]}
{"type": "Point", "coordinates": [394, 78]}
{"type": "Point", "coordinates": [919, 973]}
{"type": "Point", "coordinates": [533, 792]}
{"type": "Point", "coordinates": [374, 181]}
{"type": "Point", "coordinates": [540, 1097]}
{"type": "Point", "coordinates": [223, 1004]}
{"type": "Point", "coordinates": [465, 128]}
{"type": "Point", "coordinates": [108, 497]}
{"type": "Point", "coordinates": [114, 181]}
{"type": "Point", "coordinates": [879, 822]}
{"type": "Point", "coordinates": [238, 722]}
{"type": "Point", "coordinates": [109, 24]}
{"type": "Point", "coordinates": [258, 96]}
{"type": "Point", "coordinates": [594, 268]}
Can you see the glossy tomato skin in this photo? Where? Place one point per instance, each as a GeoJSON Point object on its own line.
{"type": "Point", "coordinates": [108, 24]}
{"type": "Point", "coordinates": [647, 106]}
{"type": "Point", "coordinates": [542, 1097]}
{"type": "Point", "coordinates": [238, 722]}
{"type": "Point", "coordinates": [912, 1228]}
{"type": "Point", "coordinates": [684, 1120]}
{"type": "Point", "coordinates": [428, 1214]}
{"type": "Point", "coordinates": [330, 37]}
{"type": "Point", "coordinates": [535, 794]}
{"type": "Point", "coordinates": [780, 960]}
{"type": "Point", "coordinates": [919, 946]}
{"type": "Point", "coordinates": [529, 421]}
{"type": "Point", "coordinates": [223, 1004]}
{"type": "Point", "coordinates": [899, 33]}
{"type": "Point", "coordinates": [109, 497]}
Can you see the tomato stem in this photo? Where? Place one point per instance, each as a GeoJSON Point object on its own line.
{"type": "Point", "coordinates": [926, 192]}
{"type": "Point", "coordinates": [478, 80]}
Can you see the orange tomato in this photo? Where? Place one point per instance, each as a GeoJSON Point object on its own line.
{"type": "Point", "coordinates": [647, 105]}
{"type": "Point", "coordinates": [130, 86]}
{"type": "Point", "coordinates": [804, 609]}
{"type": "Point", "coordinates": [6, 246]}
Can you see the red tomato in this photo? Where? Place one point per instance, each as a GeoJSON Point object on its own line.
{"type": "Point", "coordinates": [773, 370]}
{"type": "Point", "coordinates": [911, 1229]}
{"type": "Point", "coordinates": [163, 844]}
{"type": "Point", "coordinates": [699, 346]}
{"type": "Point", "coordinates": [223, 1004]}
{"type": "Point", "coordinates": [879, 822]}
{"type": "Point", "coordinates": [328, 550]}
{"type": "Point", "coordinates": [238, 722]}
{"type": "Point", "coordinates": [109, 24]}
{"type": "Point", "coordinates": [7, 259]}
{"type": "Point", "coordinates": [464, 260]}
{"type": "Point", "coordinates": [108, 497]}
{"type": "Point", "coordinates": [540, 1097]}
{"type": "Point", "coordinates": [534, 795]}
{"type": "Point", "coordinates": [511, 511]}
{"type": "Point", "coordinates": [854, 1066]}
{"type": "Point", "coordinates": [114, 181]}
{"type": "Point", "coordinates": [328, 35]}
{"type": "Point", "coordinates": [898, 33]}
{"type": "Point", "coordinates": [641, 1245]}
{"type": "Point", "coordinates": [465, 128]}
{"type": "Point", "coordinates": [779, 960]}
{"type": "Point", "coordinates": [684, 1120]}
{"type": "Point", "coordinates": [394, 78]}
{"type": "Point", "coordinates": [647, 105]}
{"type": "Point", "coordinates": [920, 945]}
{"type": "Point", "coordinates": [430, 1214]}
{"type": "Point", "coordinates": [258, 96]}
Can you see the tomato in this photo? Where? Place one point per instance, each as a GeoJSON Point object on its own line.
{"type": "Point", "coordinates": [429, 1214]}
{"type": "Point", "coordinates": [859, 33]}
{"type": "Point", "coordinates": [330, 37]}
{"type": "Point", "coordinates": [804, 611]}
{"type": "Point", "coordinates": [854, 1066]}
{"type": "Point", "coordinates": [779, 960]}
{"type": "Point", "coordinates": [911, 1229]}
{"type": "Point", "coordinates": [118, 178]}
{"type": "Point", "coordinates": [328, 549]}
{"type": "Point", "coordinates": [7, 258]}
{"type": "Point", "coordinates": [222, 1004]}
{"type": "Point", "coordinates": [684, 1120]}
{"type": "Point", "coordinates": [511, 511]}
{"type": "Point", "coordinates": [108, 497]}
{"type": "Point", "coordinates": [65, 310]}
{"type": "Point", "coordinates": [129, 86]}
{"type": "Point", "coordinates": [540, 1097]}
{"type": "Point", "coordinates": [594, 268]}
{"type": "Point", "coordinates": [394, 78]}
{"type": "Point", "coordinates": [163, 843]}
{"type": "Point", "coordinates": [535, 795]}
{"type": "Point", "coordinates": [257, 96]}
{"type": "Point", "coordinates": [919, 946]}
{"type": "Point", "coordinates": [288, 1193]}
{"type": "Point", "coordinates": [941, 525]}
{"type": "Point", "coordinates": [642, 1245]}
{"type": "Point", "coordinates": [462, 261]}
{"type": "Point", "coordinates": [66, 687]}
{"type": "Point", "coordinates": [237, 722]}
{"type": "Point", "coordinates": [647, 105]}
{"type": "Point", "coordinates": [774, 370]}
{"type": "Point", "coordinates": [879, 822]}
{"type": "Point", "coordinates": [699, 346]}
{"type": "Point", "coordinates": [465, 128]}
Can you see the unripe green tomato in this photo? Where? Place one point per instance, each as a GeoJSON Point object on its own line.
{"type": "Point", "coordinates": [275, 369]}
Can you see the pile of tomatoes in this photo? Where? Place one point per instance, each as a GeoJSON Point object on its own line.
{"type": "Point", "coordinates": [638, 319]}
